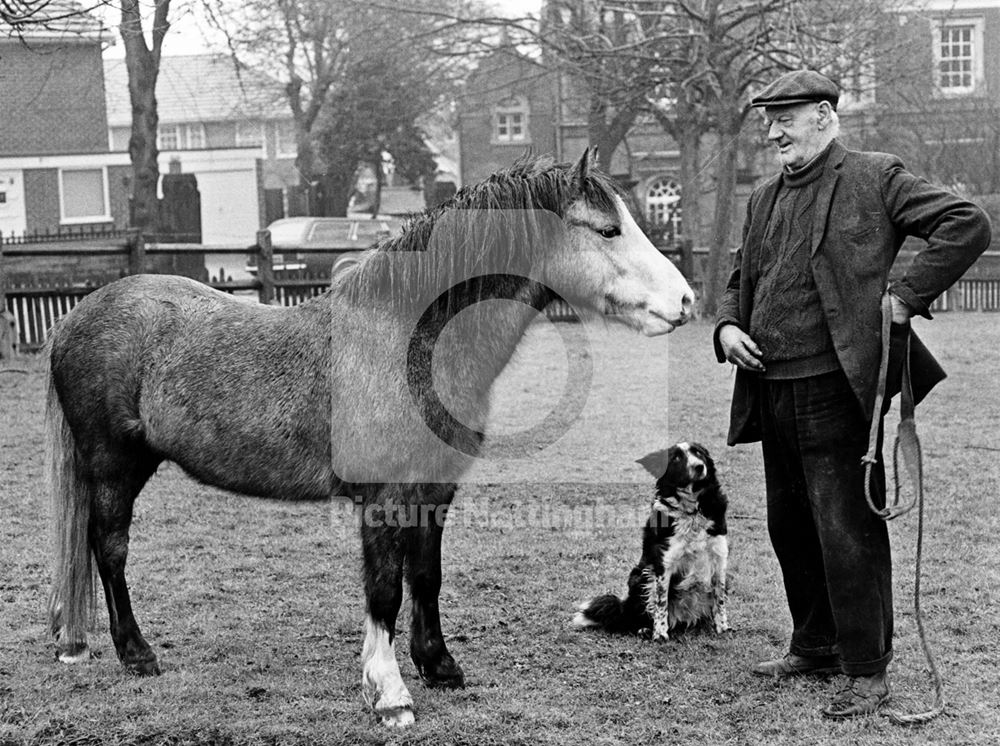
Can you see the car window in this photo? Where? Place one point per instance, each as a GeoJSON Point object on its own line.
{"type": "Point", "coordinates": [286, 233]}
{"type": "Point", "coordinates": [329, 232]}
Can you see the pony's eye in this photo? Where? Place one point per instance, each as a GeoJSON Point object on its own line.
{"type": "Point", "coordinates": [610, 232]}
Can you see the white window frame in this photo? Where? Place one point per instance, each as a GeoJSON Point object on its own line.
{"type": "Point", "coordinates": [509, 113]}
{"type": "Point", "coordinates": [189, 136]}
{"type": "Point", "coordinates": [195, 137]}
{"type": "Point", "coordinates": [666, 202]}
{"type": "Point", "coordinates": [976, 24]}
{"type": "Point", "coordinates": [175, 129]}
{"type": "Point", "coordinates": [510, 126]}
{"type": "Point", "coordinates": [105, 196]}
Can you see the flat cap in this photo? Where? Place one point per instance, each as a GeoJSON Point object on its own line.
{"type": "Point", "coordinates": [798, 87]}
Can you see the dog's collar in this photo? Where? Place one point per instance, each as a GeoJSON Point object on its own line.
{"type": "Point", "coordinates": [684, 499]}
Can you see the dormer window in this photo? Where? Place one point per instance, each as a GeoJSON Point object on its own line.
{"type": "Point", "coordinates": [180, 136]}
{"type": "Point", "coordinates": [510, 120]}
{"type": "Point", "coordinates": [249, 133]}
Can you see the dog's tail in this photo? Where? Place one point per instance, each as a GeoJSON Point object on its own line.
{"type": "Point", "coordinates": [612, 614]}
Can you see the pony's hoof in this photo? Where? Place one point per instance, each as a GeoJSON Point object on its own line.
{"type": "Point", "coordinates": [445, 674]}
{"type": "Point", "coordinates": [149, 667]}
{"type": "Point", "coordinates": [78, 654]}
{"type": "Point", "coordinates": [397, 717]}
{"type": "Point", "coordinates": [452, 680]}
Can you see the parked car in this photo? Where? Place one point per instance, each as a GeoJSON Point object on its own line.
{"type": "Point", "coordinates": [323, 244]}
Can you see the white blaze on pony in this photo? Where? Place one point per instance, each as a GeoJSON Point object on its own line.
{"type": "Point", "coordinates": [259, 400]}
{"type": "Point", "coordinates": [641, 288]}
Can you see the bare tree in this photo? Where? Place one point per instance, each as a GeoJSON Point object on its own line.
{"type": "Point", "coordinates": [142, 60]}
{"type": "Point", "coordinates": [606, 55]}
{"type": "Point", "coordinates": [314, 46]}
{"type": "Point", "coordinates": [745, 45]}
{"type": "Point", "coordinates": [693, 66]}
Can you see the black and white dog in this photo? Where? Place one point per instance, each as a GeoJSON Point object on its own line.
{"type": "Point", "coordinates": [680, 580]}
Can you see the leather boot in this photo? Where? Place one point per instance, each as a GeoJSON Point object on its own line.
{"type": "Point", "coordinates": [863, 695]}
{"type": "Point", "coordinates": [798, 665]}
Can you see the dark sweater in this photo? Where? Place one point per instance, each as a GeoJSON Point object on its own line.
{"type": "Point", "coordinates": [866, 204]}
{"type": "Point", "coordinates": [787, 321]}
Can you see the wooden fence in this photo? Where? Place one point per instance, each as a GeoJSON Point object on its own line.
{"type": "Point", "coordinates": [970, 294]}
{"type": "Point", "coordinates": [37, 302]}
{"type": "Point", "coordinates": [35, 290]}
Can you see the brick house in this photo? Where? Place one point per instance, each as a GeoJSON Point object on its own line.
{"type": "Point", "coordinates": [205, 102]}
{"type": "Point", "coordinates": [54, 120]}
{"type": "Point", "coordinates": [66, 119]}
{"type": "Point", "coordinates": [509, 108]}
{"type": "Point", "coordinates": [944, 121]}
{"type": "Point", "coordinates": [939, 107]}
{"type": "Point", "coordinates": [60, 97]}
{"type": "Point", "coordinates": [513, 104]}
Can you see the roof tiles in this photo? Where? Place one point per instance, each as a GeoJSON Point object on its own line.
{"type": "Point", "coordinates": [198, 88]}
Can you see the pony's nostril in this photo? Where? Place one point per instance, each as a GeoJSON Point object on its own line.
{"type": "Point", "coordinates": [687, 304]}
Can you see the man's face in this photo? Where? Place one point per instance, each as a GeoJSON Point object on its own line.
{"type": "Point", "coordinates": [795, 130]}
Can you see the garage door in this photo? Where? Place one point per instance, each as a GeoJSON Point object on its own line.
{"type": "Point", "coordinates": [229, 209]}
{"type": "Point", "coordinates": [229, 215]}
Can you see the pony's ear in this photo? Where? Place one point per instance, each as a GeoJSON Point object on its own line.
{"type": "Point", "coordinates": [586, 162]}
{"type": "Point", "coordinates": [655, 463]}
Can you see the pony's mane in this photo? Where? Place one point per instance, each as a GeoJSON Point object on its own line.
{"type": "Point", "coordinates": [505, 221]}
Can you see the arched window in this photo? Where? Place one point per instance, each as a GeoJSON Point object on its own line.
{"type": "Point", "coordinates": [510, 120]}
{"type": "Point", "coordinates": [663, 207]}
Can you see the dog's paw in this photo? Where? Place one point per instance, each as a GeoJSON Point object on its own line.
{"type": "Point", "coordinates": [721, 621]}
{"type": "Point", "coordinates": [660, 635]}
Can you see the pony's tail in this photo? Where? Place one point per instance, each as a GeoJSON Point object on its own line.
{"type": "Point", "coordinates": [612, 614]}
{"type": "Point", "coordinates": [71, 605]}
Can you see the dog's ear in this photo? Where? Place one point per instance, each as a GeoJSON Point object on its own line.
{"type": "Point", "coordinates": [656, 462]}
{"type": "Point", "coordinates": [701, 452]}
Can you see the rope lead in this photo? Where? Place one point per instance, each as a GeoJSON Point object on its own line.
{"type": "Point", "coordinates": [907, 446]}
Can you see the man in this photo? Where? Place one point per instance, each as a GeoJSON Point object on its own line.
{"type": "Point", "coordinates": [801, 320]}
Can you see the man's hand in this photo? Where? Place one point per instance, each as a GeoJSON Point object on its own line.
{"type": "Point", "coordinates": [739, 349]}
{"type": "Point", "coordinates": [901, 312]}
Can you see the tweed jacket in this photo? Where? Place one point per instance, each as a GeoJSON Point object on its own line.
{"type": "Point", "coordinates": [866, 204]}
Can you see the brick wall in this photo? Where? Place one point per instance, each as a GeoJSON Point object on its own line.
{"type": "Point", "coordinates": [650, 152]}
{"type": "Point", "coordinates": [52, 98]}
{"type": "Point", "coordinates": [913, 77]}
{"type": "Point", "coordinates": [41, 199]}
{"type": "Point", "coordinates": [501, 76]}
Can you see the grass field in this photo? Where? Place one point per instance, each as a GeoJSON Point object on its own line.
{"type": "Point", "coordinates": [255, 607]}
